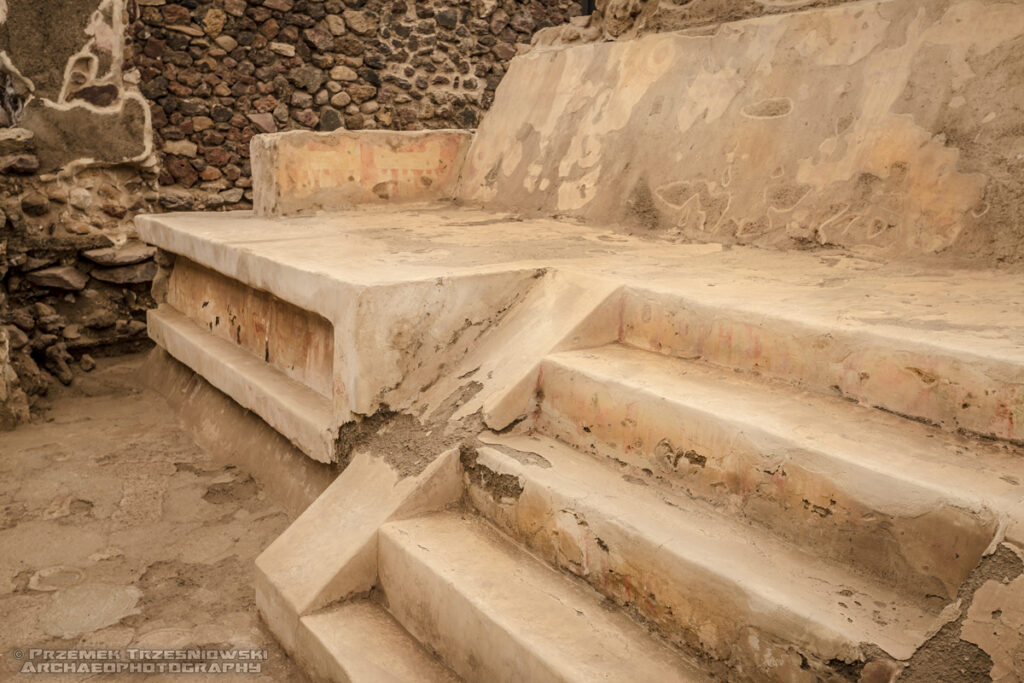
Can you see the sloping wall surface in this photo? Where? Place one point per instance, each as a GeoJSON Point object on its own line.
{"type": "Point", "coordinates": [895, 125]}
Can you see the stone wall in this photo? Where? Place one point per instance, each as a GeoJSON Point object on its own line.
{"type": "Point", "coordinates": [76, 163]}
{"type": "Point", "coordinates": [217, 73]}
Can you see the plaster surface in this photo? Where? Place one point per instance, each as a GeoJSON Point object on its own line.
{"type": "Point", "coordinates": [67, 84]}
{"type": "Point", "coordinates": [892, 125]}
{"type": "Point", "coordinates": [305, 172]}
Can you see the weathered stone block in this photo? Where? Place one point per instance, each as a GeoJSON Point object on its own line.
{"type": "Point", "coordinates": [299, 171]}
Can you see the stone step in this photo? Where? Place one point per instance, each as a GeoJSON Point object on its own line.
{"type": "Point", "coordinates": [359, 642]}
{"type": "Point", "coordinates": [494, 613]}
{"type": "Point", "coordinates": [908, 345]}
{"type": "Point", "coordinates": [760, 606]}
{"type": "Point", "coordinates": [906, 503]}
{"type": "Point", "coordinates": [296, 411]}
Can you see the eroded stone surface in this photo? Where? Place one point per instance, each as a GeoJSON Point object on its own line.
{"type": "Point", "coordinates": [71, 94]}
{"type": "Point", "coordinates": [995, 623]}
{"type": "Point", "coordinates": [303, 172]}
{"type": "Point", "coordinates": [882, 124]}
{"type": "Point", "coordinates": [89, 607]}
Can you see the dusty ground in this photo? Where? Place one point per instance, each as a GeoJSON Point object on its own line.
{"type": "Point", "coordinates": [116, 531]}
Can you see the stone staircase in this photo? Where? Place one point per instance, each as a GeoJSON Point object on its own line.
{"type": "Point", "coordinates": [570, 454]}
{"type": "Point", "coordinates": [659, 517]}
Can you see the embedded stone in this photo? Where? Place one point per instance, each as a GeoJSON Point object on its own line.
{"type": "Point", "coordinates": [182, 171]}
{"type": "Point", "coordinates": [177, 14]}
{"type": "Point", "coordinates": [335, 24]}
{"type": "Point", "coordinates": [309, 78]}
{"type": "Point", "coordinates": [283, 49]}
{"type": "Point", "coordinates": [279, 5]}
{"type": "Point", "coordinates": [184, 148]}
{"type": "Point", "coordinates": [213, 22]}
{"type": "Point", "coordinates": [18, 339]}
{"type": "Point", "coordinates": [59, 277]}
{"type": "Point", "coordinates": [360, 22]}
{"type": "Point", "coordinates": [132, 252]}
{"type": "Point", "coordinates": [15, 140]}
{"type": "Point", "coordinates": [341, 99]}
{"type": "Point", "coordinates": [35, 204]}
{"type": "Point", "coordinates": [134, 274]}
{"type": "Point", "coordinates": [232, 196]}
{"type": "Point", "coordinates": [264, 122]}
{"type": "Point", "coordinates": [100, 319]}
{"type": "Point", "coordinates": [447, 18]}
{"type": "Point", "coordinates": [226, 42]}
{"type": "Point", "coordinates": [361, 93]}
{"type": "Point", "coordinates": [343, 73]}
{"type": "Point", "coordinates": [176, 200]}
{"type": "Point", "coordinates": [19, 164]}
{"type": "Point", "coordinates": [321, 40]}
{"type": "Point", "coordinates": [330, 119]}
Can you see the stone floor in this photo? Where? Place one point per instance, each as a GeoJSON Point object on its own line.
{"type": "Point", "coordinates": [117, 531]}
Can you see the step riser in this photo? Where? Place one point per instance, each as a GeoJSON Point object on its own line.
{"type": "Point", "coordinates": [358, 642]}
{"type": "Point", "coordinates": [295, 411]}
{"type": "Point", "coordinates": [298, 343]}
{"type": "Point", "coordinates": [958, 393]}
{"type": "Point", "coordinates": [916, 543]}
{"type": "Point", "coordinates": [688, 603]}
{"type": "Point", "coordinates": [439, 616]}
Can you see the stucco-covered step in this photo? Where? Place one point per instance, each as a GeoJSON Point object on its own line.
{"type": "Point", "coordinates": [764, 608]}
{"type": "Point", "coordinates": [299, 413]}
{"type": "Point", "coordinates": [494, 613]}
{"type": "Point", "coordinates": [908, 347]}
{"type": "Point", "coordinates": [906, 503]}
{"type": "Point", "coordinates": [359, 642]}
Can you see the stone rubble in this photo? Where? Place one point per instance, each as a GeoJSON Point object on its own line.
{"type": "Point", "coordinates": [61, 301]}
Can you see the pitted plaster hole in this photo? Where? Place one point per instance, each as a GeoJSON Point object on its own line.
{"type": "Point", "coordinates": [772, 108]}
{"type": "Point", "coordinates": [55, 578]}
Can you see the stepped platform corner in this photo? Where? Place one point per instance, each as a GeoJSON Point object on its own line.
{"type": "Point", "coordinates": [700, 430]}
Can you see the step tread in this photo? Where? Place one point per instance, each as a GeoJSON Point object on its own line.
{"type": "Point", "coordinates": [861, 441]}
{"type": "Point", "coordinates": [300, 413]}
{"type": "Point", "coordinates": [557, 618]}
{"type": "Point", "coordinates": [365, 643]}
{"type": "Point", "coordinates": [797, 590]}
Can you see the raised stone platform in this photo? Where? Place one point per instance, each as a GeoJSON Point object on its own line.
{"type": "Point", "coordinates": [393, 284]}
